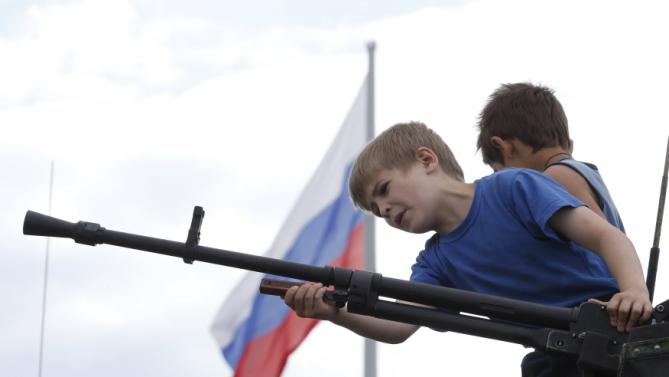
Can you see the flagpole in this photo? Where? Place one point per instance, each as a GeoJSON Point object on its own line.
{"type": "Point", "coordinates": [370, 231]}
{"type": "Point", "coordinates": [46, 282]}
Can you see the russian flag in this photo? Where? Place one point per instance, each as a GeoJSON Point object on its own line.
{"type": "Point", "coordinates": [256, 333]}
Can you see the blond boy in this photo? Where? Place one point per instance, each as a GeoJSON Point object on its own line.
{"type": "Point", "coordinates": [507, 234]}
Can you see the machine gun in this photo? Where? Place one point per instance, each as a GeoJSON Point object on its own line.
{"type": "Point", "coordinates": [583, 332]}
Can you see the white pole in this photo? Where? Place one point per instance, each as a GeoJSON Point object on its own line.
{"type": "Point", "coordinates": [370, 232]}
{"type": "Point", "coordinates": [46, 279]}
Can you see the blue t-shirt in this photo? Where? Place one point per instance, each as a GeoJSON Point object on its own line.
{"type": "Point", "coordinates": [506, 247]}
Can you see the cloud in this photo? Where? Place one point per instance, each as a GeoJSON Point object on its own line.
{"type": "Point", "coordinates": [121, 49]}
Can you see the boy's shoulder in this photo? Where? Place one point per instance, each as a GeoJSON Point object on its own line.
{"type": "Point", "coordinates": [431, 243]}
{"type": "Point", "coordinates": [511, 175]}
{"type": "Point", "coordinates": [575, 164]}
{"type": "Point", "coordinates": [511, 182]}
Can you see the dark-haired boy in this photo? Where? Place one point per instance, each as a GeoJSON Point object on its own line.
{"type": "Point", "coordinates": [524, 125]}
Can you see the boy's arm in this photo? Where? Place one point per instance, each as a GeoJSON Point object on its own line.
{"type": "Point", "coordinates": [584, 227]}
{"type": "Point", "coordinates": [307, 301]}
{"type": "Point", "coordinates": [576, 185]}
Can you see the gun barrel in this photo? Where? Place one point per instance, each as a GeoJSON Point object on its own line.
{"type": "Point", "coordinates": [37, 224]}
{"type": "Point", "coordinates": [88, 233]}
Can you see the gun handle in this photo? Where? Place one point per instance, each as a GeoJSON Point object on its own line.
{"type": "Point", "coordinates": [276, 287]}
{"type": "Point", "coordinates": [280, 287]}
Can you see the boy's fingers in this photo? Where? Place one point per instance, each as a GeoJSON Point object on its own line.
{"type": "Point", "coordinates": [305, 299]}
{"type": "Point", "coordinates": [635, 314]}
{"type": "Point", "coordinates": [299, 300]}
{"type": "Point", "coordinates": [595, 301]}
{"type": "Point", "coordinates": [612, 309]}
{"type": "Point", "coordinates": [309, 301]}
{"type": "Point", "coordinates": [319, 293]}
{"type": "Point", "coordinates": [289, 297]}
{"type": "Point", "coordinates": [647, 312]}
{"type": "Point", "coordinates": [623, 315]}
{"type": "Point", "coordinates": [308, 298]}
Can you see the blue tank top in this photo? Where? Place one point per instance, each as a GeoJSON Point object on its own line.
{"type": "Point", "coordinates": [506, 247]}
{"type": "Point", "coordinates": [591, 174]}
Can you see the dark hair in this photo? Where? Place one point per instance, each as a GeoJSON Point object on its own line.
{"type": "Point", "coordinates": [530, 113]}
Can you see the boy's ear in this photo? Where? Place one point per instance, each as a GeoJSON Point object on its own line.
{"type": "Point", "coordinates": [505, 147]}
{"type": "Point", "coordinates": [427, 158]}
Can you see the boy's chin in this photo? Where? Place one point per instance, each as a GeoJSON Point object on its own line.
{"type": "Point", "coordinates": [415, 230]}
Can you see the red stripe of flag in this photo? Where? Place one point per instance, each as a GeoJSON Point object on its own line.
{"type": "Point", "coordinates": [275, 347]}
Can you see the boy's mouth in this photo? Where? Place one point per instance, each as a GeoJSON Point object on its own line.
{"type": "Point", "coordinates": [398, 218]}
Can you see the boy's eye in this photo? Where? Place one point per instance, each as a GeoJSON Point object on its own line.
{"type": "Point", "coordinates": [384, 188]}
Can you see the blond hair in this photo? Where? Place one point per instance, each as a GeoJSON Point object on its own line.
{"type": "Point", "coordinates": [395, 148]}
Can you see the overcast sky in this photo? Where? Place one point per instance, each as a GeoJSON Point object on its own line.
{"type": "Point", "coordinates": [148, 108]}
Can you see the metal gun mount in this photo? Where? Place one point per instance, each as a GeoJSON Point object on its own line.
{"type": "Point", "coordinates": [583, 332]}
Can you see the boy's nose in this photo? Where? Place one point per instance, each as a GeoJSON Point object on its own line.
{"type": "Point", "coordinates": [385, 211]}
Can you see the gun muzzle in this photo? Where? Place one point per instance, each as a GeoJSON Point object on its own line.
{"type": "Point", "coordinates": [37, 224]}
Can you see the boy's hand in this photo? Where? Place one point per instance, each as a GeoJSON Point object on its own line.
{"type": "Point", "coordinates": [627, 308]}
{"type": "Point", "coordinates": [307, 301]}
